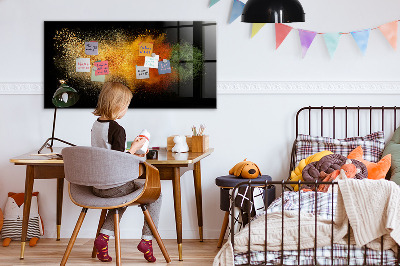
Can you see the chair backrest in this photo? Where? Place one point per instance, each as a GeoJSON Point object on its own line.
{"type": "Point", "coordinates": [92, 166]}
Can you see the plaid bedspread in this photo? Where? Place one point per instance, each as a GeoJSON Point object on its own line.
{"type": "Point", "coordinates": [307, 202]}
{"type": "Point", "coordinates": [340, 254]}
{"type": "Point", "coordinates": [321, 205]}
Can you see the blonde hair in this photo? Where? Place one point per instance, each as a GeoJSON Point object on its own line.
{"type": "Point", "coordinates": [113, 97]}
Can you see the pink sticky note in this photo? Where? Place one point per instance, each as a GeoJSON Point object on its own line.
{"type": "Point", "coordinates": [102, 68]}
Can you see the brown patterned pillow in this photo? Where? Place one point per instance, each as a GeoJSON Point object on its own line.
{"type": "Point", "coordinates": [372, 144]}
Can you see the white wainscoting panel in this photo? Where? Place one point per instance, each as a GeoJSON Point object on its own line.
{"type": "Point", "coordinates": [260, 87]}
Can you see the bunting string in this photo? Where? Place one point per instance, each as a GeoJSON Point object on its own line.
{"type": "Point", "coordinates": [361, 37]}
{"type": "Point", "coordinates": [376, 28]}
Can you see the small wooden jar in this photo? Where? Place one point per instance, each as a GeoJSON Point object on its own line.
{"type": "Point", "coordinates": [200, 143]}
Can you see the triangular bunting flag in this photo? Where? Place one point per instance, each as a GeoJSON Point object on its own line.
{"type": "Point", "coordinates": [332, 41]}
{"type": "Point", "coordinates": [213, 2]}
{"type": "Point", "coordinates": [281, 31]}
{"type": "Point", "coordinates": [361, 37]}
{"type": "Point", "coordinates": [255, 28]}
{"type": "Point", "coordinates": [237, 9]}
{"type": "Point", "coordinates": [306, 39]}
{"type": "Point", "coordinates": [389, 30]}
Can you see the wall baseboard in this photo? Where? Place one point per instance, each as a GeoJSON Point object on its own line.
{"type": "Point", "coordinates": [259, 87]}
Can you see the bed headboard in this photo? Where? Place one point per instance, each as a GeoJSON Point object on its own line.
{"type": "Point", "coordinates": [347, 116]}
{"type": "Point", "coordinates": [344, 121]}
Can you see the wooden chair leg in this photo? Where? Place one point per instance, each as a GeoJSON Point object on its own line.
{"type": "Point", "coordinates": [73, 237]}
{"type": "Point", "coordinates": [117, 238]}
{"type": "Point", "coordinates": [154, 230]}
{"type": "Point", "coordinates": [101, 222]}
{"type": "Point", "coordinates": [223, 229]}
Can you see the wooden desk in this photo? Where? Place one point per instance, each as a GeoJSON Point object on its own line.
{"type": "Point", "coordinates": [40, 167]}
{"type": "Point", "coordinates": [171, 167]}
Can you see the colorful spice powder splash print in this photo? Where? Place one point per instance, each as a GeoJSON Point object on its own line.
{"type": "Point", "coordinates": [185, 52]}
{"type": "Point", "coordinates": [121, 50]}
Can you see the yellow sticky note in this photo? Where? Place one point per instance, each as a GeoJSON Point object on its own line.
{"type": "Point", "coordinates": [145, 49]}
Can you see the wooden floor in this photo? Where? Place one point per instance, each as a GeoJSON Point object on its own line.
{"type": "Point", "coordinates": [50, 252]}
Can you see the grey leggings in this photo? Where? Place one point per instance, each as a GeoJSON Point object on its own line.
{"type": "Point", "coordinates": [154, 208]}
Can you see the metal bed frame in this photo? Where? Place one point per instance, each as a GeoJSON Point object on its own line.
{"type": "Point", "coordinates": [283, 184]}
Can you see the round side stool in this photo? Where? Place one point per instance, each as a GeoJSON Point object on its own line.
{"type": "Point", "coordinates": [228, 182]}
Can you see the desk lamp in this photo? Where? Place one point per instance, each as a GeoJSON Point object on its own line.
{"type": "Point", "coordinates": [273, 11]}
{"type": "Point", "coordinates": [65, 96]}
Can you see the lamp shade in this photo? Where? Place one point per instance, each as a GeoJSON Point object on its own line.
{"type": "Point", "coordinates": [273, 11]}
{"type": "Point", "coordinates": [65, 96]}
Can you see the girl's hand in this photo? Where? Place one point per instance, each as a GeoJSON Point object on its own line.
{"type": "Point", "coordinates": [142, 155]}
{"type": "Point", "coordinates": [137, 144]}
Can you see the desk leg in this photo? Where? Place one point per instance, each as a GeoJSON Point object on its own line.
{"type": "Point", "coordinates": [199, 204]}
{"type": "Point", "coordinates": [27, 206]}
{"type": "Point", "coordinates": [176, 182]}
{"type": "Point", "coordinates": [60, 190]}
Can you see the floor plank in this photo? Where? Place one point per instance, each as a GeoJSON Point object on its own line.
{"type": "Point", "coordinates": [49, 252]}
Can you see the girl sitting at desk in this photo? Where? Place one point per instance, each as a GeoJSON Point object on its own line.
{"type": "Point", "coordinates": [112, 104]}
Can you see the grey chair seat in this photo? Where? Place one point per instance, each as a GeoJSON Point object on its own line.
{"type": "Point", "coordinates": [85, 167]}
{"type": "Point", "coordinates": [83, 196]}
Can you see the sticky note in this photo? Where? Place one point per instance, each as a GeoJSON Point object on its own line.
{"type": "Point", "coordinates": [164, 67]}
{"type": "Point", "coordinates": [99, 78]}
{"type": "Point", "coordinates": [151, 61]}
{"type": "Point", "coordinates": [142, 72]}
{"type": "Point", "coordinates": [83, 65]}
{"type": "Point", "coordinates": [102, 68]}
{"type": "Point", "coordinates": [145, 49]}
{"type": "Point", "coordinates": [92, 48]}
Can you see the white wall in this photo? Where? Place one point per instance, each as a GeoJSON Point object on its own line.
{"type": "Point", "coordinates": [259, 127]}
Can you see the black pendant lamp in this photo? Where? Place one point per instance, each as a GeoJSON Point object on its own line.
{"type": "Point", "coordinates": [273, 11]}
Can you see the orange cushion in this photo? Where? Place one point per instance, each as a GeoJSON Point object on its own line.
{"type": "Point", "coordinates": [375, 170]}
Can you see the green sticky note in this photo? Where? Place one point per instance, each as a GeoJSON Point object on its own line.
{"type": "Point", "coordinates": [99, 78]}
